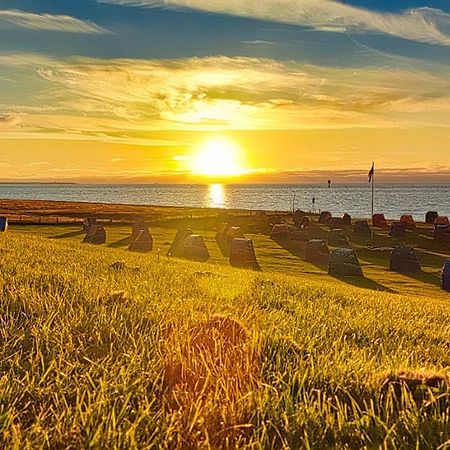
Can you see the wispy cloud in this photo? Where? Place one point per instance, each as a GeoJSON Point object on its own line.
{"type": "Point", "coordinates": [115, 100]}
{"type": "Point", "coordinates": [420, 24]}
{"type": "Point", "coordinates": [47, 22]}
{"type": "Point", "coordinates": [8, 119]}
{"type": "Point", "coordinates": [258, 42]}
{"type": "Point", "coordinates": [245, 92]}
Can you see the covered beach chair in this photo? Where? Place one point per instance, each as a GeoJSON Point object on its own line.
{"type": "Point", "coordinates": [379, 221]}
{"type": "Point", "coordinates": [234, 233]}
{"type": "Point", "coordinates": [346, 219]}
{"type": "Point", "coordinates": [442, 233]}
{"type": "Point", "coordinates": [88, 222]}
{"type": "Point", "coordinates": [325, 217]}
{"type": "Point", "coordinates": [143, 242]}
{"type": "Point", "coordinates": [431, 216]}
{"type": "Point", "coordinates": [408, 220]}
{"type": "Point", "coordinates": [398, 230]}
{"type": "Point", "coordinates": [344, 263]}
{"type": "Point", "coordinates": [137, 226]}
{"type": "Point", "coordinates": [194, 248]}
{"type": "Point", "coordinates": [176, 249]}
{"type": "Point", "coordinates": [96, 234]}
{"type": "Point", "coordinates": [335, 222]}
{"type": "Point", "coordinates": [3, 224]}
{"type": "Point", "coordinates": [242, 254]}
{"type": "Point", "coordinates": [282, 231]}
{"type": "Point", "coordinates": [304, 223]}
{"type": "Point", "coordinates": [404, 260]}
{"type": "Point", "coordinates": [337, 238]}
{"type": "Point", "coordinates": [445, 281]}
{"type": "Point", "coordinates": [298, 236]}
{"type": "Point", "coordinates": [317, 251]}
{"type": "Point", "coordinates": [441, 220]}
{"type": "Point", "coordinates": [361, 227]}
{"type": "Point", "coordinates": [297, 217]}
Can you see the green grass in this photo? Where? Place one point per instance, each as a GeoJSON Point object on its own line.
{"type": "Point", "coordinates": [104, 358]}
{"type": "Point", "coordinates": [274, 258]}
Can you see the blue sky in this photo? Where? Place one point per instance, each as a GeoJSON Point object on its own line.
{"type": "Point", "coordinates": [158, 32]}
{"type": "Point", "coordinates": [114, 71]}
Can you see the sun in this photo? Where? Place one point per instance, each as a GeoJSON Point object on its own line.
{"type": "Point", "coordinates": [218, 157]}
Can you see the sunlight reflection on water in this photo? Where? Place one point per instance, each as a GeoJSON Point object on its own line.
{"type": "Point", "coordinates": [216, 196]}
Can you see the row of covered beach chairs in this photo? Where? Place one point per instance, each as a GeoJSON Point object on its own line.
{"type": "Point", "coordinates": [141, 239]}
{"type": "Point", "coordinates": [379, 220]}
{"type": "Point", "coordinates": [396, 229]}
{"type": "Point", "coordinates": [240, 250]}
{"type": "Point", "coordinates": [185, 245]}
{"type": "Point", "coordinates": [344, 261]}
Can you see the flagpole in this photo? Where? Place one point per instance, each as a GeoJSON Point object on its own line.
{"type": "Point", "coordinates": [373, 193]}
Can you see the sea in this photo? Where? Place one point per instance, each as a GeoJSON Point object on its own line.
{"type": "Point", "coordinates": [356, 199]}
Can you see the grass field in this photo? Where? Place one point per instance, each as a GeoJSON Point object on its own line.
{"type": "Point", "coordinates": [165, 353]}
{"type": "Point", "coordinates": [273, 257]}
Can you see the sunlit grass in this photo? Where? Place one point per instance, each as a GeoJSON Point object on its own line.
{"type": "Point", "coordinates": [91, 355]}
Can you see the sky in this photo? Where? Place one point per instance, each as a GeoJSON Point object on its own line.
{"type": "Point", "coordinates": [136, 90]}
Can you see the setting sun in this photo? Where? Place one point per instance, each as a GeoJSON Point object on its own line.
{"type": "Point", "coordinates": [218, 157]}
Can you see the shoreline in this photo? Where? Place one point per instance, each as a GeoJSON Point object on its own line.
{"type": "Point", "coordinates": [56, 212]}
{"type": "Point", "coordinates": [54, 209]}
{"type": "Point", "coordinates": [353, 199]}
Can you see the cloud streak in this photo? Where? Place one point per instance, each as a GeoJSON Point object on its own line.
{"type": "Point", "coordinates": [47, 22]}
{"type": "Point", "coordinates": [245, 92]}
{"type": "Point", "coordinates": [117, 99]}
{"type": "Point", "coordinates": [426, 25]}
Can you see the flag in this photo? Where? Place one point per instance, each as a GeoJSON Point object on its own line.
{"type": "Point", "coordinates": [371, 172]}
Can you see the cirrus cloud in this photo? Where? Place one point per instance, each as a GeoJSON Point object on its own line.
{"type": "Point", "coordinates": [424, 24]}
{"type": "Point", "coordinates": [47, 22]}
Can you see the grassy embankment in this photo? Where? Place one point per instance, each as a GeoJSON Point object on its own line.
{"type": "Point", "coordinates": [107, 357]}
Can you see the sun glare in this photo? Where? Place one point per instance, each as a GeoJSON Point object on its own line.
{"type": "Point", "coordinates": [218, 157]}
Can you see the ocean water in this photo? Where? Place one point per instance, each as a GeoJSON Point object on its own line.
{"type": "Point", "coordinates": [390, 199]}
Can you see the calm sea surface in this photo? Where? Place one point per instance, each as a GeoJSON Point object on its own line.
{"type": "Point", "coordinates": [393, 200]}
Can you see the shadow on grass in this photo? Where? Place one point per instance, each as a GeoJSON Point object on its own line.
{"type": "Point", "coordinates": [68, 235]}
{"type": "Point", "coordinates": [319, 265]}
{"type": "Point", "coordinates": [223, 247]}
{"type": "Point", "coordinates": [429, 258]}
{"type": "Point", "coordinates": [120, 243]}
{"type": "Point", "coordinates": [424, 277]}
{"type": "Point", "coordinates": [295, 248]}
{"type": "Point", "coordinates": [365, 283]}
